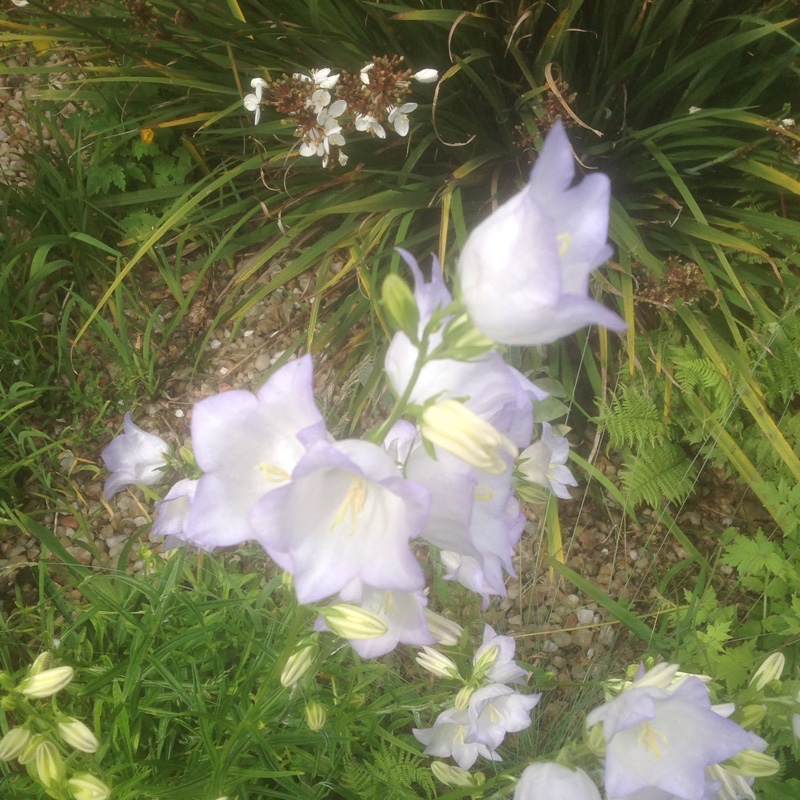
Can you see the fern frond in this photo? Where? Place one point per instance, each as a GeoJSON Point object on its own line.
{"type": "Point", "coordinates": [631, 418]}
{"type": "Point", "coordinates": [658, 474]}
{"type": "Point", "coordinates": [701, 373]}
{"type": "Point", "coordinates": [392, 774]}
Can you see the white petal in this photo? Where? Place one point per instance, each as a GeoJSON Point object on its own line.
{"type": "Point", "coordinates": [337, 108]}
{"type": "Point", "coordinates": [251, 102]}
{"type": "Point", "coordinates": [426, 76]}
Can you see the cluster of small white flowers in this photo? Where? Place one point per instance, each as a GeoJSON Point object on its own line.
{"type": "Point", "coordinates": [323, 136]}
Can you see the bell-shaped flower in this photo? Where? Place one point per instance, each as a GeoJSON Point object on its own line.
{"type": "Point", "coordinates": [495, 710]}
{"type": "Point", "coordinates": [524, 271]}
{"type": "Point", "coordinates": [134, 456]}
{"type": "Point", "coordinates": [398, 117]}
{"type": "Point", "coordinates": [664, 739]}
{"type": "Point", "coordinates": [475, 519]}
{"type": "Point", "coordinates": [402, 612]}
{"type": "Point", "coordinates": [543, 463]}
{"type": "Point", "coordinates": [347, 514]}
{"type": "Point", "coordinates": [172, 513]}
{"type": "Point", "coordinates": [448, 739]}
{"type": "Point", "coordinates": [247, 445]}
{"type": "Point", "coordinates": [502, 668]}
{"type": "Point", "coordinates": [493, 389]}
{"type": "Point", "coordinates": [550, 781]}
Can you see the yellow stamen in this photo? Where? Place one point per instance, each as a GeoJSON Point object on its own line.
{"type": "Point", "coordinates": [564, 241]}
{"type": "Point", "coordinates": [353, 504]}
{"type": "Point", "coordinates": [272, 473]}
{"type": "Point", "coordinates": [483, 493]}
{"type": "Point", "coordinates": [648, 738]}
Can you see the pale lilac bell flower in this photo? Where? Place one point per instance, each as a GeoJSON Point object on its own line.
{"type": "Point", "coordinates": [495, 391]}
{"type": "Point", "coordinates": [403, 613]}
{"type": "Point", "coordinates": [551, 781]}
{"type": "Point", "coordinates": [134, 456]}
{"type": "Point", "coordinates": [495, 710]}
{"type": "Point", "coordinates": [448, 739]}
{"type": "Point", "coordinates": [662, 739]}
{"type": "Point", "coordinates": [524, 271]}
{"type": "Point", "coordinates": [346, 514]}
{"type": "Point", "coordinates": [543, 463]}
{"type": "Point", "coordinates": [247, 446]}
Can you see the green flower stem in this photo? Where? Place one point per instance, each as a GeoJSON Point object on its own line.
{"type": "Point", "coordinates": [378, 434]}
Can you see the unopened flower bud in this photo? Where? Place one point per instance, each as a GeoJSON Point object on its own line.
{"type": "Point", "coordinates": [352, 622]}
{"type": "Point", "coordinates": [401, 307]}
{"type": "Point", "coordinates": [484, 661]}
{"type": "Point", "coordinates": [426, 75]}
{"type": "Point", "coordinates": [28, 752]}
{"type": "Point", "coordinates": [463, 697]}
{"type": "Point", "coordinates": [40, 663]}
{"type": "Point", "coordinates": [463, 340]}
{"type": "Point", "coordinates": [299, 663]}
{"type": "Point", "coordinates": [771, 670]}
{"type": "Point", "coordinates": [452, 426]}
{"type": "Point", "coordinates": [50, 766]}
{"type": "Point", "coordinates": [451, 776]}
{"type": "Point", "coordinates": [752, 764]}
{"type": "Point", "coordinates": [86, 787]}
{"type": "Point", "coordinates": [13, 743]}
{"type": "Point", "coordinates": [316, 715]}
{"type": "Point", "coordinates": [46, 683]}
{"type": "Point", "coordinates": [752, 715]}
{"type": "Point", "coordinates": [437, 663]}
{"type": "Point", "coordinates": [78, 735]}
{"type": "Point", "coordinates": [445, 631]}
{"type": "Point", "coordinates": [596, 741]}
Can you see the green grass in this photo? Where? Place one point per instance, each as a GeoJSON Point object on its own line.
{"type": "Point", "coordinates": [680, 103]}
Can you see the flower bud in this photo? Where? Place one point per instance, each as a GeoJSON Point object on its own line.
{"type": "Point", "coordinates": [463, 340]}
{"type": "Point", "coordinates": [352, 622]}
{"type": "Point", "coordinates": [752, 715]}
{"type": "Point", "coordinates": [86, 787]}
{"type": "Point", "coordinates": [437, 663]}
{"type": "Point", "coordinates": [596, 741]}
{"type": "Point", "coordinates": [452, 426]}
{"type": "Point", "coordinates": [13, 743]}
{"type": "Point", "coordinates": [77, 735]}
{"type": "Point", "coordinates": [28, 752]}
{"type": "Point", "coordinates": [451, 776]}
{"type": "Point", "coordinates": [40, 663]}
{"type": "Point", "coordinates": [316, 715]}
{"type": "Point", "coordinates": [445, 631]}
{"type": "Point", "coordinates": [484, 661]}
{"type": "Point", "coordinates": [752, 764]}
{"type": "Point", "coordinates": [299, 663]}
{"type": "Point", "coordinates": [463, 697]}
{"type": "Point", "coordinates": [426, 75]}
{"type": "Point", "coordinates": [769, 671]}
{"type": "Point", "coordinates": [46, 683]}
{"type": "Point", "coordinates": [399, 303]}
{"type": "Point", "coordinates": [50, 766]}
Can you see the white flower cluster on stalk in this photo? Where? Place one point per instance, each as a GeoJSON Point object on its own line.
{"type": "Point", "coordinates": [324, 105]}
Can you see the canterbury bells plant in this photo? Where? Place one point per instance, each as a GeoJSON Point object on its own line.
{"type": "Point", "coordinates": [359, 525]}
